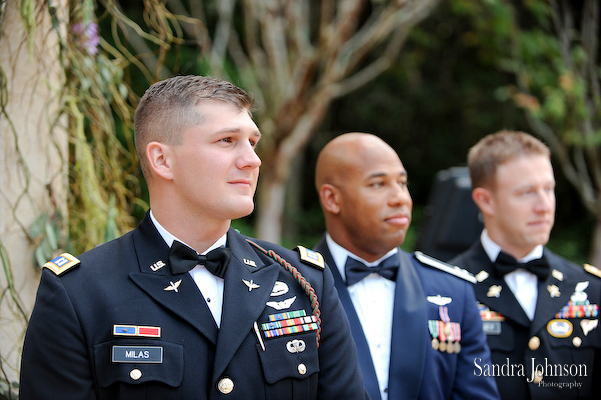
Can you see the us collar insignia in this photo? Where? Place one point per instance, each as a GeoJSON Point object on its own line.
{"type": "Point", "coordinates": [481, 276]}
{"type": "Point", "coordinates": [250, 263]}
{"type": "Point", "coordinates": [557, 275]}
{"type": "Point", "coordinates": [157, 265]}
{"type": "Point", "coordinates": [173, 286]}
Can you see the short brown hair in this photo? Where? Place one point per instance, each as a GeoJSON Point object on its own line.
{"type": "Point", "coordinates": [498, 148]}
{"type": "Point", "coordinates": [169, 107]}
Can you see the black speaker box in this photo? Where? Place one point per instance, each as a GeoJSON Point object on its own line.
{"type": "Point", "coordinates": [452, 221]}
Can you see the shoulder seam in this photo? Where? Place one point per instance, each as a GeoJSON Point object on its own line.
{"type": "Point", "coordinates": [592, 270]}
{"type": "Point", "coordinates": [443, 266]}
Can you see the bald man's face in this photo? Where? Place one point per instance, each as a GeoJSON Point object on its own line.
{"type": "Point", "coordinates": [375, 204]}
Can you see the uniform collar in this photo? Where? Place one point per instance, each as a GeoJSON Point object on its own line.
{"type": "Point", "coordinates": [169, 238]}
{"type": "Point", "coordinates": [340, 254]}
{"type": "Point", "coordinates": [492, 249]}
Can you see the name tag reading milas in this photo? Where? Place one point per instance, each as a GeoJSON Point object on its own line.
{"type": "Point", "coordinates": [137, 354]}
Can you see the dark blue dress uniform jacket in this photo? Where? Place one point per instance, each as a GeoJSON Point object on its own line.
{"type": "Point", "coordinates": [510, 345]}
{"type": "Point", "coordinates": [69, 342]}
{"type": "Point", "coordinates": [417, 371]}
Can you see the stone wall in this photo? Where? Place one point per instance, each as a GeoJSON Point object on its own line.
{"type": "Point", "coordinates": [33, 164]}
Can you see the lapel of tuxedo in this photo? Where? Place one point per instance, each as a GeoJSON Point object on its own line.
{"type": "Point", "coordinates": [178, 293]}
{"type": "Point", "coordinates": [246, 291]}
{"type": "Point", "coordinates": [370, 379]}
{"type": "Point", "coordinates": [409, 344]}
{"type": "Point", "coordinates": [493, 292]}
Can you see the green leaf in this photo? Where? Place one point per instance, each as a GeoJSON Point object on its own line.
{"type": "Point", "coordinates": [37, 228]}
{"type": "Point", "coordinates": [51, 236]}
{"type": "Point", "coordinates": [40, 256]}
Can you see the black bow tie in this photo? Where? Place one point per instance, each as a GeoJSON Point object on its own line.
{"type": "Point", "coordinates": [506, 264]}
{"type": "Point", "coordinates": [356, 270]}
{"type": "Point", "coordinates": [182, 259]}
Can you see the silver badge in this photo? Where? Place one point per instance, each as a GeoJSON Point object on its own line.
{"type": "Point", "coordinates": [296, 346]}
{"type": "Point", "coordinates": [439, 300]}
{"type": "Point", "coordinates": [279, 288]}
{"type": "Point", "coordinates": [281, 305]}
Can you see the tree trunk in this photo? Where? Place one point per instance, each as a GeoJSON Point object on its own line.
{"type": "Point", "coordinates": [277, 168]}
{"type": "Point", "coordinates": [271, 197]}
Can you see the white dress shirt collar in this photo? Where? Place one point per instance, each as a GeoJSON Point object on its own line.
{"type": "Point", "coordinates": [340, 254]}
{"type": "Point", "coordinates": [492, 249]}
{"type": "Point", "coordinates": [169, 238]}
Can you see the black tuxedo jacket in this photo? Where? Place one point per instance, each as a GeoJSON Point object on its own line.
{"type": "Point", "coordinates": [563, 338]}
{"type": "Point", "coordinates": [93, 335]}
{"type": "Point", "coordinates": [417, 371]}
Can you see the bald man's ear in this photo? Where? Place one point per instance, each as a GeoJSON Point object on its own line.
{"type": "Point", "coordinates": [483, 199]}
{"type": "Point", "coordinates": [329, 195]}
{"type": "Point", "coordinates": [160, 159]}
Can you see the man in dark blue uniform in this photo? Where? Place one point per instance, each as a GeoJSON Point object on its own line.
{"type": "Point", "coordinates": [414, 319]}
{"type": "Point", "coordinates": [184, 307]}
{"type": "Point", "coordinates": [539, 311]}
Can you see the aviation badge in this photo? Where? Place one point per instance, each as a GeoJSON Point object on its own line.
{"type": "Point", "coordinates": [281, 305]}
{"type": "Point", "coordinates": [173, 286]}
{"type": "Point", "coordinates": [250, 284]}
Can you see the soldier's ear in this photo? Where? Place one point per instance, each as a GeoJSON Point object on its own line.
{"type": "Point", "coordinates": [160, 158]}
{"type": "Point", "coordinates": [329, 196]}
{"type": "Point", "coordinates": [483, 199]}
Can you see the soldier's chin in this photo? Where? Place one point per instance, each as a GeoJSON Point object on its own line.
{"type": "Point", "coordinates": [243, 211]}
{"type": "Point", "coordinates": [543, 239]}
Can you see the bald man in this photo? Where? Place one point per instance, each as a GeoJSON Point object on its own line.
{"type": "Point", "coordinates": [414, 319]}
